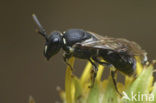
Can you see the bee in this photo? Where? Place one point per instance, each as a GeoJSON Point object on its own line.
{"type": "Point", "coordinates": [117, 52]}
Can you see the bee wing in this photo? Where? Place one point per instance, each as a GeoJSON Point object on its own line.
{"type": "Point", "coordinates": [115, 44]}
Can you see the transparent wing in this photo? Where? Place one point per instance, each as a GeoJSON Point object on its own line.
{"type": "Point", "coordinates": [116, 44]}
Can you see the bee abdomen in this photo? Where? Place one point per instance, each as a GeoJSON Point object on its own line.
{"type": "Point", "coordinates": [120, 60]}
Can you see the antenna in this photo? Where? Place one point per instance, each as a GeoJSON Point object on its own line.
{"type": "Point", "coordinates": [41, 30]}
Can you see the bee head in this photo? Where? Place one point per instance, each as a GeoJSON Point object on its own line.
{"type": "Point", "coordinates": [54, 41]}
{"type": "Point", "coordinates": [53, 44]}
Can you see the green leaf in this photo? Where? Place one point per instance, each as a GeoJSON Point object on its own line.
{"type": "Point", "coordinates": [140, 86]}
{"type": "Point", "coordinates": [154, 93]}
{"type": "Point", "coordinates": [110, 94]}
{"type": "Point", "coordinates": [93, 96]}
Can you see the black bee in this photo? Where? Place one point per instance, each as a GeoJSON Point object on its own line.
{"type": "Point", "coordinates": [116, 52]}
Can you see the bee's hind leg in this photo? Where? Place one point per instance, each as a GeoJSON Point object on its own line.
{"type": "Point", "coordinates": [114, 82]}
{"type": "Point", "coordinates": [113, 72]}
{"type": "Point", "coordinates": [93, 72]}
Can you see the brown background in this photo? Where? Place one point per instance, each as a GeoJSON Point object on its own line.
{"type": "Point", "coordinates": [23, 69]}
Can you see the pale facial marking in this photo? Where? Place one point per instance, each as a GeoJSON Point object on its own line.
{"type": "Point", "coordinates": [45, 48]}
{"type": "Point", "coordinates": [64, 41]}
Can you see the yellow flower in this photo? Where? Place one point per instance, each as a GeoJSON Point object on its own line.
{"type": "Point", "coordinates": [139, 89]}
{"type": "Point", "coordinates": [77, 89]}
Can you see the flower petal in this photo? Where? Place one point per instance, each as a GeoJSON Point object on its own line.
{"type": "Point", "coordinates": [86, 74]}
{"type": "Point", "coordinates": [68, 82]}
{"type": "Point", "coordinates": [100, 72]}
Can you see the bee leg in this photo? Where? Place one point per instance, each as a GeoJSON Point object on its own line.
{"type": "Point", "coordinates": [94, 72]}
{"type": "Point", "coordinates": [114, 82]}
{"type": "Point", "coordinates": [102, 63]}
{"type": "Point", "coordinates": [112, 72]}
{"type": "Point", "coordinates": [66, 58]}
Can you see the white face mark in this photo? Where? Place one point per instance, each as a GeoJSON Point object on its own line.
{"type": "Point", "coordinates": [45, 48]}
{"type": "Point", "coordinates": [64, 40]}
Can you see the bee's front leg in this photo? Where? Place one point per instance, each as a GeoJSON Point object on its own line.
{"type": "Point", "coordinates": [66, 57]}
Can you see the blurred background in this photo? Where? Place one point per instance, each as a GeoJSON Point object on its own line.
{"type": "Point", "coordinates": [23, 69]}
